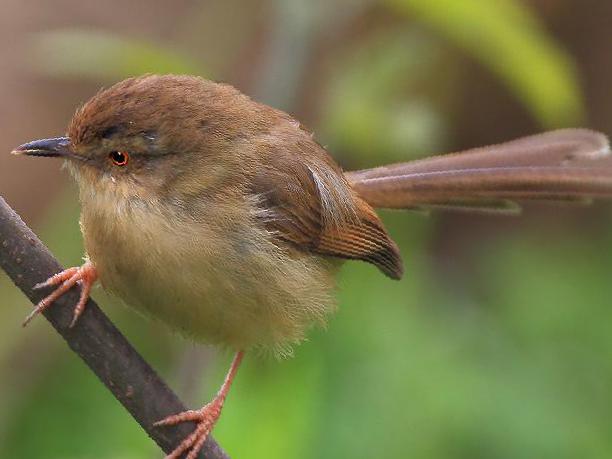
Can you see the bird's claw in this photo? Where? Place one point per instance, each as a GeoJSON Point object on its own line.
{"type": "Point", "coordinates": [205, 419]}
{"type": "Point", "coordinates": [85, 276]}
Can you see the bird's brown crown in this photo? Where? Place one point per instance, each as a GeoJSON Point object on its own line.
{"type": "Point", "coordinates": [164, 111]}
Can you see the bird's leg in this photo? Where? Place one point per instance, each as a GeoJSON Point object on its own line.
{"type": "Point", "coordinates": [85, 276]}
{"type": "Point", "coordinates": [205, 418]}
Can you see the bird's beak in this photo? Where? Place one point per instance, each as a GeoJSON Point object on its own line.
{"type": "Point", "coordinates": [60, 146]}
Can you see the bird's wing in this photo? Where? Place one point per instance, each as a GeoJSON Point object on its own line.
{"type": "Point", "coordinates": [307, 202]}
{"type": "Point", "coordinates": [572, 165]}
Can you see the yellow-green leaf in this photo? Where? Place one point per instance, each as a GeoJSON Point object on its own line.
{"type": "Point", "coordinates": [505, 36]}
{"type": "Point", "coordinates": [75, 52]}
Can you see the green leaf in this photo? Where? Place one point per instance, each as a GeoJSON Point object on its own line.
{"type": "Point", "coordinates": [507, 38]}
{"type": "Point", "coordinates": [80, 53]}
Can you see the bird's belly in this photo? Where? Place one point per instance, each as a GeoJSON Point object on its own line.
{"type": "Point", "coordinates": [237, 288]}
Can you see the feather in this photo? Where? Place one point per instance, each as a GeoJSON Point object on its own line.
{"type": "Point", "coordinates": [565, 165]}
{"type": "Point", "coordinates": [313, 207]}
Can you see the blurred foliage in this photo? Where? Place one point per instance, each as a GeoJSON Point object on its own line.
{"type": "Point", "coordinates": [363, 113]}
{"type": "Point", "coordinates": [514, 363]}
{"type": "Point", "coordinates": [102, 55]}
{"type": "Point", "coordinates": [508, 39]}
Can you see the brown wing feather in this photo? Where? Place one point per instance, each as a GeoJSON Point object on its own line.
{"type": "Point", "coordinates": [564, 165]}
{"type": "Point", "coordinates": [310, 205]}
{"type": "Point", "coordinates": [365, 240]}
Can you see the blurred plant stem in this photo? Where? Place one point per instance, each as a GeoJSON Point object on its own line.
{"type": "Point", "coordinates": [294, 28]}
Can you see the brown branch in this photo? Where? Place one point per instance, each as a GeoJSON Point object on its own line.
{"type": "Point", "coordinates": [95, 339]}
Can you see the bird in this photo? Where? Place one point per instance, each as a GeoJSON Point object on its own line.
{"type": "Point", "coordinates": [225, 219]}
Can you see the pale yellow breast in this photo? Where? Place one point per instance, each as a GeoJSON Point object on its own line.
{"type": "Point", "coordinates": [225, 283]}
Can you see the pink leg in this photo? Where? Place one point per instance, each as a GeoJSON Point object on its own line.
{"type": "Point", "coordinates": [85, 276]}
{"type": "Point", "coordinates": [205, 417]}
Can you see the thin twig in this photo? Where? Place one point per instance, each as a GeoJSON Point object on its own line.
{"type": "Point", "coordinates": [95, 339]}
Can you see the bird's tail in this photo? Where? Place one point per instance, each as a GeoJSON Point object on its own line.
{"type": "Point", "coordinates": [566, 165]}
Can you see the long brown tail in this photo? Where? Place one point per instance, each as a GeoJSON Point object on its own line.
{"type": "Point", "coordinates": [563, 165]}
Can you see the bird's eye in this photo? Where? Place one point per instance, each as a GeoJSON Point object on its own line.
{"type": "Point", "coordinates": [119, 158]}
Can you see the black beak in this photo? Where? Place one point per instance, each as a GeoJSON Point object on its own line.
{"type": "Point", "coordinates": [59, 146]}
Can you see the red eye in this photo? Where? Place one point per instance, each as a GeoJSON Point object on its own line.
{"type": "Point", "coordinates": [119, 158]}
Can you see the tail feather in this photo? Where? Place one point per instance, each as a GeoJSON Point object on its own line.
{"type": "Point", "coordinates": [572, 165]}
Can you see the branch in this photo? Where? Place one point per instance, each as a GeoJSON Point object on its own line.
{"type": "Point", "coordinates": [95, 339]}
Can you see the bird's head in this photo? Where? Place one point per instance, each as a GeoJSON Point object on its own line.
{"type": "Point", "coordinates": [155, 136]}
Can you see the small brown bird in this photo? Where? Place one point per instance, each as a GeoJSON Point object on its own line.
{"type": "Point", "coordinates": [225, 219]}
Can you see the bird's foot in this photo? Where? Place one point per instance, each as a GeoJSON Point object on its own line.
{"type": "Point", "coordinates": [205, 419]}
{"type": "Point", "coordinates": [85, 276]}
